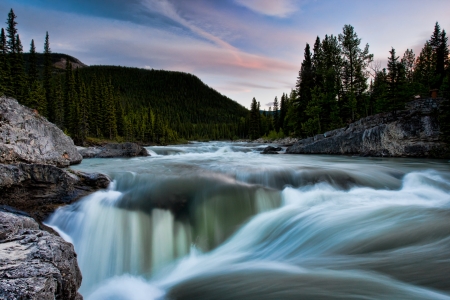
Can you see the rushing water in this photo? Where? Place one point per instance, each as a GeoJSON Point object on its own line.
{"type": "Point", "coordinates": [221, 221]}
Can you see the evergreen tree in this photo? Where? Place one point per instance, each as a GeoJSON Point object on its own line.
{"type": "Point", "coordinates": [283, 110]}
{"type": "Point", "coordinates": [424, 73]}
{"type": "Point", "coordinates": [11, 30]}
{"type": "Point", "coordinates": [47, 75]}
{"type": "Point", "coordinates": [18, 76]}
{"type": "Point", "coordinates": [5, 81]}
{"type": "Point", "coordinates": [396, 82]}
{"type": "Point", "coordinates": [254, 126]}
{"type": "Point", "coordinates": [36, 98]}
{"type": "Point", "coordinates": [409, 64]}
{"type": "Point", "coordinates": [305, 82]}
{"type": "Point", "coordinates": [58, 104]}
{"type": "Point", "coordinates": [33, 74]}
{"type": "Point", "coordinates": [379, 92]}
{"type": "Point", "coordinates": [354, 72]}
{"type": "Point", "coordinates": [276, 117]}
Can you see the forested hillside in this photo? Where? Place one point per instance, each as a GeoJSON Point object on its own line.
{"type": "Point", "coordinates": [115, 103]}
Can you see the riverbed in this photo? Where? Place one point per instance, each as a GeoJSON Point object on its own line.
{"type": "Point", "coordinates": [220, 220]}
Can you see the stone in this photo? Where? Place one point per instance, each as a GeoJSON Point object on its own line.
{"type": "Point", "coordinates": [113, 150]}
{"type": "Point", "coordinates": [35, 264]}
{"type": "Point", "coordinates": [40, 189]}
{"type": "Point", "coordinates": [413, 132]}
{"type": "Point", "coordinates": [27, 137]}
{"type": "Point", "coordinates": [271, 150]}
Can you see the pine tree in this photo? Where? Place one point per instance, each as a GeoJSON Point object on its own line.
{"type": "Point", "coordinates": [424, 73]}
{"type": "Point", "coordinates": [395, 80]}
{"type": "Point", "coordinates": [276, 117]}
{"type": "Point", "coordinates": [33, 74]}
{"type": "Point", "coordinates": [254, 126]}
{"type": "Point", "coordinates": [283, 110]}
{"type": "Point", "coordinates": [5, 72]}
{"type": "Point", "coordinates": [18, 76]}
{"type": "Point", "coordinates": [11, 32]}
{"type": "Point", "coordinates": [354, 70]}
{"type": "Point", "coordinates": [47, 75]}
{"type": "Point", "coordinates": [305, 82]}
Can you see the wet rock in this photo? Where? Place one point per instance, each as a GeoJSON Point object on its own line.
{"type": "Point", "coordinates": [27, 137]}
{"type": "Point", "coordinates": [113, 150]}
{"type": "Point", "coordinates": [409, 133]}
{"type": "Point", "coordinates": [40, 189]}
{"type": "Point", "coordinates": [271, 150]}
{"type": "Point", "coordinates": [35, 264]}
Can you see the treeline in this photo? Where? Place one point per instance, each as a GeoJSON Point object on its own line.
{"type": "Point", "coordinates": [339, 83]}
{"type": "Point", "coordinates": [115, 103]}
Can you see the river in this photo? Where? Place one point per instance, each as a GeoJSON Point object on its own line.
{"type": "Point", "coordinates": [220, 221]}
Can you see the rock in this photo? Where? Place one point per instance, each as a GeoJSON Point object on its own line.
{"type": "Point", "coordinates": [40, 189]}
{"type": "Point", "coordinates": [409, 133]}
{"type": "Point", "coordinates": [35, 264]}
{"type": "Point", "coordinates": [113, 150]}
{"type": "Point", "coordinates": [287, 141]}
{"type": "Point", "coordinates": [27, 137]}
{"type": "Point", "coordinates": [271, 150]}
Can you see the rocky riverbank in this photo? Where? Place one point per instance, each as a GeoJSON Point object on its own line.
{"type": "Point", "coordinates": [27, 137]}
{"type": "Point", "coordinates": [413, 132]}
{"type": "Point", "coordinates": [35, 263]}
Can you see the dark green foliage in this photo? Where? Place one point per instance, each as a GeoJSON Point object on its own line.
{"type": "Point", "coordinates": [47, 75]}
{"type": "Point", "coordinates": [354, 73]}
{"type": "Point", "coordinates": [11, 44]}
{"type": "Point", "coordinates": [305, 83]}
{"type": "Point", "coordinates": [33, 74]}
{"type": "Point", "coordinates": [396, 79]}
{"type": "Point", "coordinates": [5, 80]}
{"type": "Point", "coordinates": [254, 130]}
{"type": "Point", "coordinates": [276, 115]}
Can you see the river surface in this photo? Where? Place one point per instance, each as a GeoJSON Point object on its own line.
{"type": "Point", "coordinates": [221, 221]}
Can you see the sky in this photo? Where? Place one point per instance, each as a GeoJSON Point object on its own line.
{"type": "Point", "coordinates": [241, 48]}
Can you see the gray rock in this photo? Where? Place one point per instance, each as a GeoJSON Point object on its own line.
{"type": "Point", "coordinates": [40, 189]}
{"type": "Point", "coordinates": [35, 264]}
{"type": "Point", "coordinates": [271, 150]}
{"type": "Point", "coordinates": [114, 150]}
{"type": "Point", "coordinates": [27, 137]}
{"type": "Point", "coordinates": [409, 133]}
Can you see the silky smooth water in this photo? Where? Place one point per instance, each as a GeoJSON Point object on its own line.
{"type": "Point", "coordinates": [221, 221]}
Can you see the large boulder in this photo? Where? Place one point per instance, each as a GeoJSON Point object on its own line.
{"type": "Point", "coordinates": [413, 132]}
{"type": "Point", "coordinates": [40, 189]}
{"type": "Point", "coordinates": [35, 264]}
{"type": "Point", "coordinates": [26, 136]}
{"type": "Point", "coordinates": [113, 150]}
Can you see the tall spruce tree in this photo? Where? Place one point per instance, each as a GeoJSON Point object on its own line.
{"type": "Point", "coordinates": [254, 126]}
{"type": "Point", "coordinates": [305, 82]}
{"type": "Point", "coordinates": [276, 116]}
{"type": "Point", "coordinates": [33, 74]}
{"type": "Point", "coordinates": [354, 74]}
{"type": "Point", "coordinates": [396, 82]}
{"type": "Point", "coordinates": [11, 30]}
{"type": "Point", "coordinates": [47, 76]}
{"type": "Point", "coordinates": [5, 72]}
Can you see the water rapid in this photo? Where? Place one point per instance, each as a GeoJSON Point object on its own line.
{"type": "Point", "coordinates": [221, 221]}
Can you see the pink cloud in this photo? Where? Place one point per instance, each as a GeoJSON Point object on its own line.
{"type": "Point", "coordinates": [275, 8]}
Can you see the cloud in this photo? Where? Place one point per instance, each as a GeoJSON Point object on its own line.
{"type": "Point", "coordinates": [274, 8]}
{"type": "Point", "coordinates": [270, 104]}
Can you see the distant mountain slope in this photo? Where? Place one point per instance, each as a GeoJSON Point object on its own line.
{"type": "Point", "coordinates": [58, 61]}
{"type": "Point", "coordinates": [179, 96]}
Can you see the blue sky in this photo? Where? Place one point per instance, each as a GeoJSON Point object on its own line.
{"type": "Point", "coordinates": [242, 48]}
